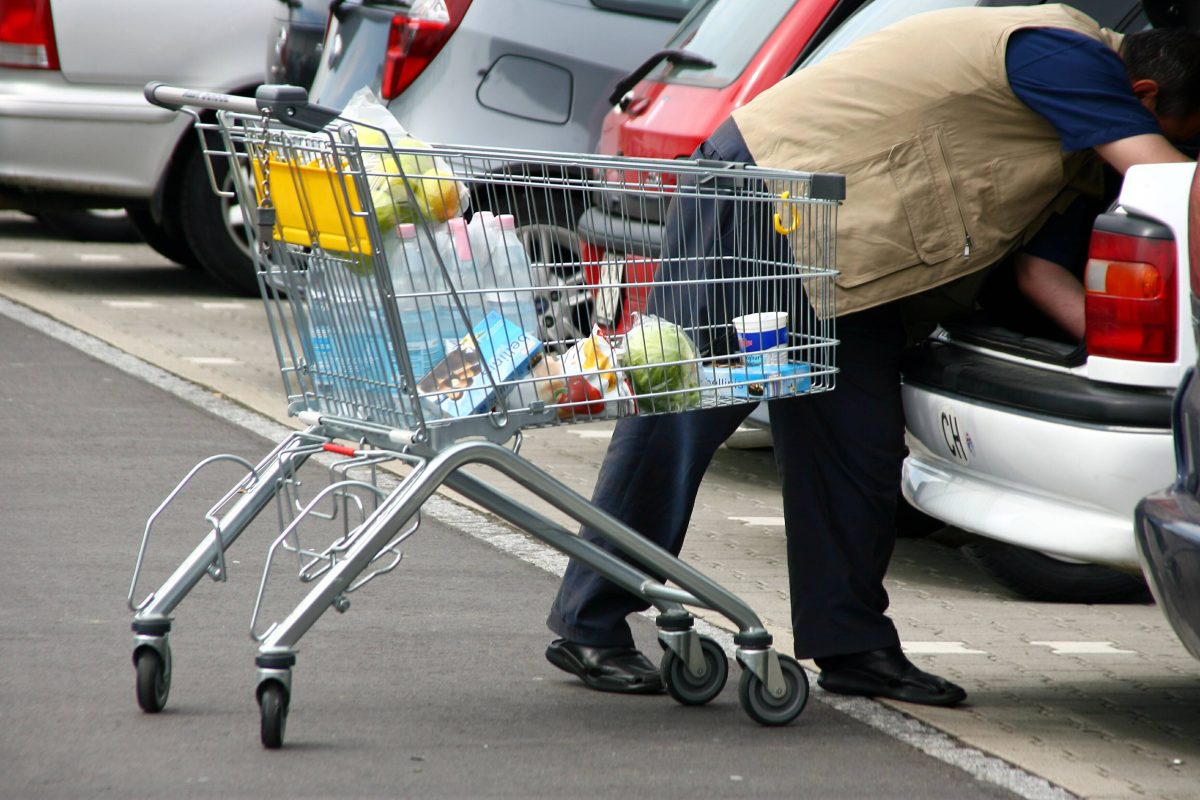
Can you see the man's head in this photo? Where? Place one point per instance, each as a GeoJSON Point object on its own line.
{"type": "Point", "coordinates": [1164, 66]}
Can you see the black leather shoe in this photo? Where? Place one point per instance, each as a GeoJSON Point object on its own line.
{"type": "Point", "coordinates": [609, 669]}
{"type": "Point", "coordinates": [886, 673]}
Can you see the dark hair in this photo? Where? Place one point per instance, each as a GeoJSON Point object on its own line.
{"type": "Point", "coordinates": [1171, 58]}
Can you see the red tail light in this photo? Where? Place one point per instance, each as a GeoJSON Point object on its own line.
{"type": "Point", "coordinates": [415, 38]}
{"type": "Point", "coordinates": [27, 35]}
{"type": "Point", "coordinates": [1131, 297]}
{"type": "Point", "coordinates": [1194, 232]}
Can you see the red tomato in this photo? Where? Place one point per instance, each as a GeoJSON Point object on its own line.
{"type": "Point", "coordinates": [580, 390]}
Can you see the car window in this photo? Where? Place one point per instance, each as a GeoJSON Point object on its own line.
{"type": "Point", "coordinates": [667, 9]}
{"type": "Point", "coordinates": [722, 32]}
{"type": "Point", "coordinates": [873, 17]}
{"type": "Point", "coordinates": [1123, 15]}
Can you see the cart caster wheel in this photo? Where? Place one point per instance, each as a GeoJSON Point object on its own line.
{"type": "Point", "coordinates": [273, 707]}
{"type": "Point", "coordinates": [695, 690]}
{"type": "Point", "coordinates": [767, 710]}
{"type": "Point", "coordinates": [153, 683]}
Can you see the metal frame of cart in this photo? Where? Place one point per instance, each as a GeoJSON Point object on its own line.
{"type": "Point", "coordinates": [414, 335]}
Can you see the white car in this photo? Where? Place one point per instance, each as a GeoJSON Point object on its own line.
{"type": "Point", "coordinates": [77, 131]}
{"type": "Point", "coordinates": [1045, 448]}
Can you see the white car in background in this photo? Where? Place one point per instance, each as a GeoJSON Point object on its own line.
{"type": "Point", "coordinates": [76, 131]}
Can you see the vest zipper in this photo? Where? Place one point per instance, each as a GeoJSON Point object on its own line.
{"type": "Point", "coordinates": [962, 220]}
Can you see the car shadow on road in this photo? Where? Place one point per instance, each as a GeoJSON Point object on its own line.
{"type": "Point", "coordinates": [110, 269]}
{"type": "Point", "coordinates": [161, 279]}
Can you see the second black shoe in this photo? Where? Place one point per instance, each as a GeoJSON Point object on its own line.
{"type": "Point", "coordinates": [886, 673]}
{"type": "Point", "coordinates": [609, 669]}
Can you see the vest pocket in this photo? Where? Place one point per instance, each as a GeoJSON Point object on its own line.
{"type": "Point", "coordinates": [901, 211]}
{"type": "Point", "coordinates": [1022, 185]}
{"type": "Point", "coordinates": [922, 178]}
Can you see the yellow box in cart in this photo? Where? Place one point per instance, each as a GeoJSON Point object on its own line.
{"type": "Point", "coordinates": [458, 385]}
{"type": "Point", "coordinates": [763, 382]}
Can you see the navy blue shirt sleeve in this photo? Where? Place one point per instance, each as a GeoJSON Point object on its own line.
{"type": "Point", "coordinates": [1078, 84]}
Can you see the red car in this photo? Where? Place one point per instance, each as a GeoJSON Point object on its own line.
{"type": "Point", "coordinates": [721, 56]}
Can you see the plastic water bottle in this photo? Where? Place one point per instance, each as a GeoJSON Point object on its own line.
{"type": "Point", "coordinates": [467, 263]}
{"type": "Point", "coordinates": [424, 315]}
{"type": "Point", "coordinates": [347, 344]}
{"type": "Point", "coordinates": [510, 265]}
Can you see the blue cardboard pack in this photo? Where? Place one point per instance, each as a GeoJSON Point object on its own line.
{"type": "Point", "coordinates": [762, 382]}
{"type": "Point", "coordinates": [458, 385]}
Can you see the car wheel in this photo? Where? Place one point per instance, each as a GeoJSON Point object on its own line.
{"type": "Point", "coordinates": [1037, 576]}
{"type": "Point", "coordinates": [546, 228]}
{"type": "Point", "coordinates": [167, 243]}
{"type": "Point", "coordinates": [213, 226]}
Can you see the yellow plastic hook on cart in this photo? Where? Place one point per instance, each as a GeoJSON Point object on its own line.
{"type": "Point", "coordinates": [794, 223]}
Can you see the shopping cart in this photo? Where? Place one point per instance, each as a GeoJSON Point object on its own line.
{"type": "Point", "coordinates": [412, 341]}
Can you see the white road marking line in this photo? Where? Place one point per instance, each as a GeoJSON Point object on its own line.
{"type": "Point", "coordinates": [770, 522]}
{"type": "Point", "coordinates": [940, 648]}
{"type": "Point", "coordinates": [223, 305]}
{"type": "Point", "coordinates": [100, 257]}
{"type": "Point", "coordinates": [130, 303]}
{"type": "Point", "coordinates": [211, 361]}
{"type": "Point", "coordinates": [919, 735]}
{"type": "Point", "coordinates": [1076, 648]}
{"type": "Point", "coordinates": [11, 255]}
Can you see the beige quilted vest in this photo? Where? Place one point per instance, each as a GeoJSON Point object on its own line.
{"type": "Point", "coordinates": [946, 170]}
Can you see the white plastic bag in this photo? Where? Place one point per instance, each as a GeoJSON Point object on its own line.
{"type": "Point", "coordinates": [586, 381]}
{"type": "Point", "coordinates": [408, 186]}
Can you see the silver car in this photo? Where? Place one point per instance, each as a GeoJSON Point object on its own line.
{"type": "Point", "coordinates": [75, 130]}
{"type": "Point", "coordinates": [520, 74]}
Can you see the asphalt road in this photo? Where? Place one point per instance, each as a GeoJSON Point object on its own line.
{"type": "Point", "coordinates": [432, 685]}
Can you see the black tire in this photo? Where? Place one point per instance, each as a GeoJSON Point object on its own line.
{"type": "Point", "coordinates": [546, 225]}
{"type": "Point", "coordinates": [87, 224]}
{"type": "Point", "coordinates": [689, 689]}
{"type": "Point", "coordinates": [153, 683]}
{"type": "Point", "coordinates": [767, 710]}
{"type": "Point", "coordinates": [163, 239]}
{"type": "Point", "coordinates": [1036, 576]}
{"type": "Point", "coordinates": [273, 710]}
{"type": "Point", "coordinates": [213, 226]}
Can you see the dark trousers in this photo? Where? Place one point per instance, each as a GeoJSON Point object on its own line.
{"type": "Point", "coordinates": [838, 454]}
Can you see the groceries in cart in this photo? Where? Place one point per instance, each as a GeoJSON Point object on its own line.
{"type": "Point", "coordinates": [477, 373]}
{"type": "Point", "coordinates": [406, 186]}
{"type": "Point", "coordinates": [585, 381]}
{"type": "Point", "coordinates": [662, 361]}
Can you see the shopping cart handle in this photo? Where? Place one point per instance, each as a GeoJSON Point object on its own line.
{"type": "Point", "coordinates": [288, 104]}
{"type": "Point", "coordinates": [176, 97]}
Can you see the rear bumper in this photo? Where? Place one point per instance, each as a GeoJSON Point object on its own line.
{"type": "Point", "coordinates": [101, 141]}
{"type": "Point", "coordinates": [1167, 532]}
{"type": "Point", "coordinates": [1036, 458]}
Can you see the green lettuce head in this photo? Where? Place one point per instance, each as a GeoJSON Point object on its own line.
{"type": "Point", "coordinates": [660, 357]}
